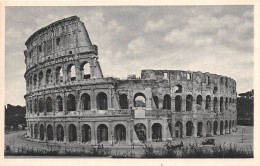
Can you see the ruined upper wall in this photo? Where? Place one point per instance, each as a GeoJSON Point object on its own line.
{"type": "Point", "coordinates": [64, 37]}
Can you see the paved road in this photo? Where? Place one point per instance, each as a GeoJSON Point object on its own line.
{"type": "Point", "coordinates": [16, 140]}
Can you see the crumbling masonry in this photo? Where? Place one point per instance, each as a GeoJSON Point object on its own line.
{"type": "Point", "coordinates": [69, 100]}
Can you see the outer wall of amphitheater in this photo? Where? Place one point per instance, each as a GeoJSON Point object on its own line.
{"type": "Point", "coordinates": [69, 100]}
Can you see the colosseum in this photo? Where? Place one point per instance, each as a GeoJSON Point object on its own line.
{"type": "Point", "coordinates": [69, 100]}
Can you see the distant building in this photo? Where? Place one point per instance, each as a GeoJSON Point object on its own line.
{"type": "Point", "coordinates": [69, 100]}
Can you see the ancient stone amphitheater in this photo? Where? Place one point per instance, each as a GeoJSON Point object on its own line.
{"type": "Point", "coordinates": [69, 100]}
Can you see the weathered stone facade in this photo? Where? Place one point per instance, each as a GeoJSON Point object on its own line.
{"type": "Point", "coordinates": [69, 100]}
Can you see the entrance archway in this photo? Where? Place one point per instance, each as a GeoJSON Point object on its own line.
{"type": "Point", "coordinates": [41, 132]}
{"type": "Point", "coordinates": [35, 131]}
{"type": "Point", "coordinates": [199, 130]}
{"type": "Point", "coordinates": [119, 133]}
{"type": "Point", "coordinates": [102, 133]}
{"type": "Point", "coordinates": [72, 133]}
{"type": "Point", "coordinates": [86, 133]}
{"type": "Point", "coordinates": [178, 130]}
{"type": "Point", "coordinates": [157, 132]}
{"type": "Point", "coordinates": [49, 132]}
{"type": "Point", "coordinates": [226, 126]}
{"type": "Point", "coordinates": [140, 130]}
{"type": "Point", "coordinates": [221, 127]}
{"type": "Point", "coordinates": [215, 128]}
{"type": "Point", "coordinates": [189, 129]}
{"type": "Point", "coordinates": [60, 133]}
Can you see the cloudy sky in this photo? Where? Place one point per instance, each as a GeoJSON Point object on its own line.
{"type": "Point", "coordinates": [215, 39]}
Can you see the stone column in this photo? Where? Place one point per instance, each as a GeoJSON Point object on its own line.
{"type": "Point", "coordinates": [45, 131]}
{"type": "Point", "coordinates": [183, 104]}
{"type": "Point", "coordinates": [93, 134]}
{"type": "Point", "coordinates": [79, 132]}
{"type": "Point", "coordinates": [93, 99]}
{"type": "Point", "coordinates": [164, 128]}
{"type": "Point", "coordinates": [194, 105]}
{"type": "Point", "coordinates": [184, 129]}
{"type": "Point", "coordinates": [128, 132]}
{"type": "Point", "coordinates": [148, 131]}
{"type": "Point", "coordinates": [54, 131]}
{"type": "Point", "coordinates": [109, 99]}
{"type": "Point", "coordinates": [195, 129]}
{"type": "Point", "coordinates": [212, 128]}
{"type": "Point", "coordinates": [110, 133]}
{"type": "Point", "coordinates": [65, 75]}
{"type": "Point", "coordinates": [64, 103]}
{"type": "Point", "coordinates": [204, 128]}
{"type": "Point", "coordinates": [203, 104]}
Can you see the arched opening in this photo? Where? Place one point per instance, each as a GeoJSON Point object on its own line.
{"type": "Point", "coordinates": [139, 100]}
{"type": "Point", "coordinates": [41, 105]}
{"type": "Point", "coordinates": [60, 133]}
{"type": "Point", "coordinates": [208, 101]}
{"type": "Point", "coordinates": [167, 102]}
{"type": "Point", "coordinates": [189, 100]}
{"type": "Point", "coordinates": [119, 133]}
{"type": "Point", "coordinates": [199, 100]}
{"type": "Point", "coordinates": [178, 101]}
{"type": "Point", "coordinates": [178, 89]}
{"type": "Point", "coordinates": [140, 131]}
{"type": "Point", "coordinates": [102, 101]}
{"type": "Point", "coordinates": [71, 73]}
{"type": "Point", "coordinates": [178, 130]}
{"type": "Point", "coordinates": [226, 126]}
{"type": "Point", "coordinates": [215, 104]}
{"type": "Point", "coordinates": [49, 132]}
{"type": "Point", "coordinates": [156, 101]}
{"type": "Point", "coordinates": [41, 132]}
{"type": "Point", "coordinates": [208, 129]}
{"type": "Point", "coordinates": [123, 101]}
{"type": "Point", "coordinates": [221, 127]}
{"type": "Point", "coordinates": [48, 76]}
{"type": "Point", "coordinates": [85, 101]}
{"type": "Point", "coordinates": [40, 78]}
{"type": "Point", "coordinates": [71, 103]}
{"type": "Point", "coordinates": [85, 70]}
{"type": "Point", "coordinates": [221, 104]}
{"type": "Point", "coordinates": [35, 106]}
{"type": "Point", "coordinates": [72, 133]}
{"type": "Point", "coordinates": [226, 103]}
{"type": "Point", "coordinates": [215, 90]}
{"type": "Point", "coordinates": [35, 131]}
{"type": "Point", "coordinates": [86, 133]}
{"type": "Point", "coordinates": [157, 132]}
{"type": "Point", "coordinates": [229, 126]}
{"type": "Point", "coordinates": [59, 75]}
{"type": "Point", "coordinates": [189, 129]}
{"type": "Point", "coordinates": [59, 103]}
{"type": "Point", "coordinates": [35, 80]}
{"type": "Point", "coordinates": [199, 130]}
{"type": "Point", "coordinates": [102, 133]}
{"type": "Point", "coordinates": [215, 128]}
{"type": "Point", "coordinates": [49, 104]}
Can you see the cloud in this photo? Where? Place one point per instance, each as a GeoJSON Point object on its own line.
{"type": "Point", "coordinates": [151, 26]}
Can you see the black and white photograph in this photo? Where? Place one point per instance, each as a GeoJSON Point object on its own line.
{"type": "Point", "coordinates": [129, 82]}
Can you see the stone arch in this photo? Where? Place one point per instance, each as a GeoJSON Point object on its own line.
{"type": "Point", "coordinates": [85, 70]}
{"type": "Point", "coordinates": [59, 103]}
{"type": "Point", "coordinates": [199, 129]}
{"type": "Point", "coordinates": [178, 129]}
{"type": "Point", "coordinates": [167, 102]}
{"type": "Point", "coordinates": [140, 130]}
{"type": "Point", "coordinates": [102, 133]}
{"type": "Point", "coordinates": [208, 101]}
{"type": "Point", "coordinates": [59, 75]}
{"type": "Point", "coordinates": [189, 101]}
{"type": "Point", "coordinates": [101, 100]}
{"type": "Point", "coordinates": [48, 76]}
{"type": "Point", "coordinates": [72, 133]}
{"type": "Point", "coordinates": [120, 133]}
{"type": "Point", "coordinates": [156, 101]}
{"type": "Point", "coordinates": [49, 104]}
{"type": "Point", "coordinates": [36, 131]}
{"type": "Point", "coordinates": [60, 132]}
{"type": "Point", "coordinates": [157, 132]}
{"type": "Point", "coordinates": [71, 103]}
{"type": "Point", "coordinates": [71, 72]}
{"type": "Point", "coordinates": [189, 128]}
{"type": "Point", "coordinates": [208, 129]}
{"type": "Point", "coordinates": [215, 104]}
{"type": "Point", "coordinates": [139, 100]}
{"type": "Point", "coordinates": [215, 127]}
{"type": "Point", "coordinates": [221, 127]}
{"type": "Point", "coordinates": [199, 100]}
{"type": "Point", "coordinates": [178, 102]}
{"type": "Point", "coordinates": [41, 132]}
{"type": "Point", "coordinates": [41, 105]}
{"type": "Point", "coordinates": [40, 77]}
{"type": "Point", "coordinates": [49, 132]}
{"type": "Point", "coordinates": [123, 101]}
{"type": "Point", "coordinates": [221, 104]}
{"type": "Point", "coordinates": [85, 101]}
{"type": "Point", "coordinates": [86, 133]}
